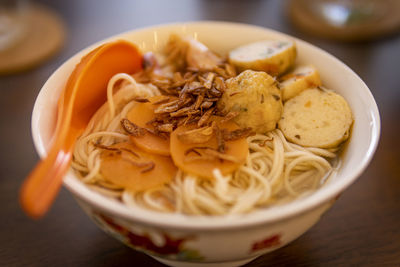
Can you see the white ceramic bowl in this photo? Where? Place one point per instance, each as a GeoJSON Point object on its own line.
{"type": "Point", "coordinates": [180, 240]}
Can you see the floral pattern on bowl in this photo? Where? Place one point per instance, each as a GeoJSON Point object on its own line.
{"type": "Point", "coordinates": [170, 247]}
{"type": "Point", "coordinates": [270, 242]}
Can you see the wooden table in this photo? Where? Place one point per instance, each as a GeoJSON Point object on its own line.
{"type": "Point", "coordinates": [362, 229]}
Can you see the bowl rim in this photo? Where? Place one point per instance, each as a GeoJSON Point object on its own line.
{"type": "Point", "coordinates": [224, 222]}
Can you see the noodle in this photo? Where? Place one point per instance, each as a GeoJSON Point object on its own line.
{"type": "Point", "coordinates": [275, 171]}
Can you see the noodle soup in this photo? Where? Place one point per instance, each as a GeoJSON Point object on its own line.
{"type": "Point", "coordinates": [198, 133]}
{"type": "Point", "coordinates": [202, 239]}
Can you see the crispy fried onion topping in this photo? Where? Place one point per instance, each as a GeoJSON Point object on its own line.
{"type": "Point", "coordinates": [207, 153]}
{"type": "Point", "coordinates": [113, 151]}
{"type": "Point", "coordinates": [237, 134]}
{"type": "Point", "coordinates": [192, 95]}
{"type": "Point", "coordinates": [195, 136]}
{"type": "Point", "coordinates": [131, 128]}
{"type": "Point", "coordinates": [194, 92]}
{"type": "Point", "coordinates": [203, 134]}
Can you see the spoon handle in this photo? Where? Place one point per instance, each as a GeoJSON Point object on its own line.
{"type": "Point", "coordinates": [83, 94]}
{"type": "Point", "coordinates": [43, 183]}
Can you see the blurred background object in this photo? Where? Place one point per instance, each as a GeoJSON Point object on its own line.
{"type": "Point", "coordinates": [12, 22]}
{"type": "Point", "coordinates": [29, 34]}
{"type": "Point", "coordinates": [346, 20]}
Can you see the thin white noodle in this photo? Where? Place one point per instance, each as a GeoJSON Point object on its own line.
{"type": "Point", "coordinates": [152, 202]}
{"type": "Point", "coordinates": [105, 191]}
{"type": "Point", "coordinates": [78, 167]}
{"type": "Point", "coordinates": [110, 88]}
{"type": "Point", "coordinates": [93, 166]}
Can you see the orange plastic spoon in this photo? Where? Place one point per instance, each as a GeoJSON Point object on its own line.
{"type": "Point", "coordinates": [83, 94]}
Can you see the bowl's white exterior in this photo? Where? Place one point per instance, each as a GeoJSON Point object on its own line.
{"type": "Point", "coordinates": [233, 239]}
{"type": "Point", "coordinates": [221, 247]}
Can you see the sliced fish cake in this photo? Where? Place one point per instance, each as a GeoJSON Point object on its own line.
{"type": "Point", "coordinates": [298, 80]}
{"type": "Point", "coordinates": [272, 56]}
{"type": "Point", "coordinates": [316, 118]}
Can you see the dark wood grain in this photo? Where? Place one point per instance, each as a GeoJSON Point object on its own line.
{"type": "Point", "coordinates": [362, 229]}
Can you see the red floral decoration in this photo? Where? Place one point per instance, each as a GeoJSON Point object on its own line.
{"type": "Point", "coordinates": [269, 242]}
{"type": "Point", "coordinates": [170, 246]}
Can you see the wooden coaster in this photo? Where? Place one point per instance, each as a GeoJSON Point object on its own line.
{"type": "Point", "coordinates": [385, 21]}
{"type": "Point", "coordinates": [45, 35]}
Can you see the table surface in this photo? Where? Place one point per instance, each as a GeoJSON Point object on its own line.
{"type": "Point", "coordinates": [362, 229]}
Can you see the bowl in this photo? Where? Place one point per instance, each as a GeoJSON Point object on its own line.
{"type": "Point", "coordinates": [179, 240]}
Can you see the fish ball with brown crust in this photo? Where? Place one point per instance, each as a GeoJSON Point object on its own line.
{"type": "Point", "coordinates": [256, 97]}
